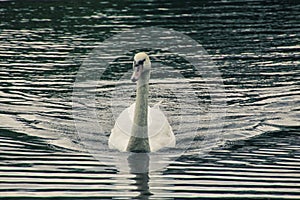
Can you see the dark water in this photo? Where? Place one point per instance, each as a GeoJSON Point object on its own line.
{"type": "Point", "coordinates": [255, 45]}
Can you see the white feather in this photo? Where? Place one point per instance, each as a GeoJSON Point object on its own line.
{"type": "Point", "coordinates": [160, 133]}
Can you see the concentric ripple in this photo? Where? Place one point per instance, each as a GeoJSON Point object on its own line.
{"type": "Point", "coordinates": [254, 43]}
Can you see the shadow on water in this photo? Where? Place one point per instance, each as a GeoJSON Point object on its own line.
{"type": "Point", "coordinates": [139, 166]}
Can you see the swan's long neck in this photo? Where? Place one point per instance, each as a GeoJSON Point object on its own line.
{"type": "Point", "coordinates": [138, 141]}
{"type": "Point", "coordinates": [141, 106]}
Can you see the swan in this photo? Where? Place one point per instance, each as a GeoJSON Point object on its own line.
{"type": "Point", "coordinates": [140, 128]}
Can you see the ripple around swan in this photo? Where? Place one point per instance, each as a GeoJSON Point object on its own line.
{"type": "Point", "coordinates": [250, 168]}
{"type": "Point", "coordinates": [254, 43]}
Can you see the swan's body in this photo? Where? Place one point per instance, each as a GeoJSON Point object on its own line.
{"type": "Point", "coordinates": [140, 128]}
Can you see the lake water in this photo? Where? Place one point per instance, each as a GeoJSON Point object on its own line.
{"type": "Point", "coordinates": [237, 131]}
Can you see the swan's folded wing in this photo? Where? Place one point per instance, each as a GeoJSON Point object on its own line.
{"type": "Point", "coordinates": [160, 131]}
{"type": "Point", "coordinates": [118, 140]}
{"type": "Point", "coordinates": [120, 134]}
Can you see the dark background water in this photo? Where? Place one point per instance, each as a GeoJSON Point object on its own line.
{"type": "Point", "coordinates": [255, 45]}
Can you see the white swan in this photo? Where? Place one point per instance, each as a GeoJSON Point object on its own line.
{"type": "Point", "coordinates": [140, 128]}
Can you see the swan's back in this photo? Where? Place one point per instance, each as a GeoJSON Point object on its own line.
{"type": "Point", "coordinates": [159, 131]}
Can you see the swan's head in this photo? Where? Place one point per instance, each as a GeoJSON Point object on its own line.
{"type": "Point", "coordinates": [141, 63]}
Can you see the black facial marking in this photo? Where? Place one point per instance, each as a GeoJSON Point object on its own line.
{"type": "Point", "coordinates": [138, 64]}
{"type": "Point", "coordinates": [141, 62]}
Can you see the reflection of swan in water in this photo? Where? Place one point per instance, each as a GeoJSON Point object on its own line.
{"type": "Point", "coordinates": [140, 128]}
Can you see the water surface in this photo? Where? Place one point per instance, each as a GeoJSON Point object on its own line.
{"type": "Point", "coordinates": [255, 45]}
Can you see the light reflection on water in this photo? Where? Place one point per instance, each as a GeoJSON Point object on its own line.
{"type": "Point", "coordinates": [255, 45]}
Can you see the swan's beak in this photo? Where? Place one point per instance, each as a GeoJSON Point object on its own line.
{"type": "Point", "coordinates": [137, 71]}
